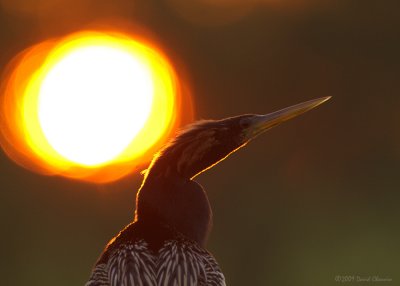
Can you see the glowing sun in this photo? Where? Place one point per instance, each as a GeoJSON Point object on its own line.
{"type": "Point", "coordinates": [88, 106]}
{"type": "Point", "coordinates": [93, 102]}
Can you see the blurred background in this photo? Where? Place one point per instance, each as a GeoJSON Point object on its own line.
{"type": "Point", "coordinates": [313, 199]}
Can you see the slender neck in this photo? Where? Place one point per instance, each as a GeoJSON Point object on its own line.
{"type": "Point", "coordinates": [186, 158]}
{"type": "Point", "coordinates": [178, 203]}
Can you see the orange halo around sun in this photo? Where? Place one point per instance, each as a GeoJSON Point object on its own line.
{"type": "Point", "coordinates": [39, 105]}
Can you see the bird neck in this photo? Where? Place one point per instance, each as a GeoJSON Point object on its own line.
{"type": "Point", "coordinates": [186, 162]}
{"type": "Point", "coordinates": [176, 203]}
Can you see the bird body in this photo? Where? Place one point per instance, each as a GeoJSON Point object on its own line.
{"type": "Point", "coordinates": [134, 258]}
{"type": "Point", "coordinates": [165, 245]}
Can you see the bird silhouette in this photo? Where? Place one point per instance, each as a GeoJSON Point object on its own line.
{"type": "Point", "coordinates": [165, 244]}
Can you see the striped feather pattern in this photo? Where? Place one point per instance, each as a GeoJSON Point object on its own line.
{"type": "Point", "coordinates": [178, 263]}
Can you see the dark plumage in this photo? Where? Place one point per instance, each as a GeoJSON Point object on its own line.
{"type": "Point", "coordinates": [165, 245]}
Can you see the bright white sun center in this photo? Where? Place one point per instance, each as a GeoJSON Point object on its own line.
{"type": "Point", "coordinates": [93, 102]}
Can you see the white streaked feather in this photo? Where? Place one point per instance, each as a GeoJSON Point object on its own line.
{"type": "Point", "coordinates": [178, 262]}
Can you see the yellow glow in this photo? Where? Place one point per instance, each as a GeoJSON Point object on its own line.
{"type": "Point", "coordinates": [91, 106]}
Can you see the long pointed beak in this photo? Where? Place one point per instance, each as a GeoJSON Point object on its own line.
{"type": "Point", "coordinates": [261, 123]}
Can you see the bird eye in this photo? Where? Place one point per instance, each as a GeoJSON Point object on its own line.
{"type": "Point", "coordinates": [245, 123]}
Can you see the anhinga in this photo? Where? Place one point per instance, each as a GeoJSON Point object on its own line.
{"type": "Point", "coordinates": [165, 245]}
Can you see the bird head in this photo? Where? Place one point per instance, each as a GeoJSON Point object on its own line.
{"type": "Point", "coordinates": [169, 196]}
{"type": "Point", "coordinates": [205, 143]}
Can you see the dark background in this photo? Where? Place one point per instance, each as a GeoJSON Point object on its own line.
{"type": "Point", "coordinates": [310, 200]}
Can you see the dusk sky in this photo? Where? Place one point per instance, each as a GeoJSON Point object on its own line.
{"type": "Point", "coordinates": [311, 200]}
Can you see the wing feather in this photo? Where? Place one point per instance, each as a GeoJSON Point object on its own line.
{"type": "Point", "coordinates": [178, 263]}
{"type": "Point", "coordinates": [132, 265]}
